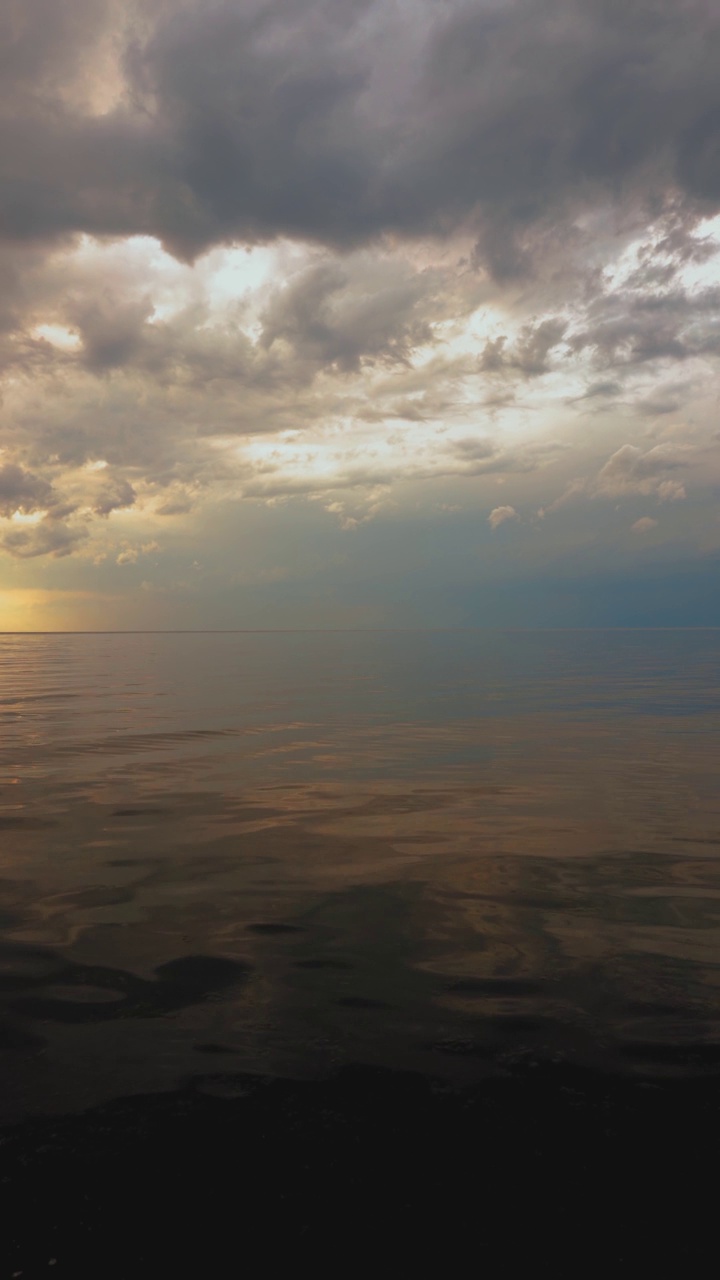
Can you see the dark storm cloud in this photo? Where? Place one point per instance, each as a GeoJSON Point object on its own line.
{"type": "Point", "coordinates": [338, 120]}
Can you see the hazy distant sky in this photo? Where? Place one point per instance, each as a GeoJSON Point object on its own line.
{"type": "Point", "coordinates": [359, 313]}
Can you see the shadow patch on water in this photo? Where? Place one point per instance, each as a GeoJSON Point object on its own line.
{"type": "Point", "coordinates": [74, 993]}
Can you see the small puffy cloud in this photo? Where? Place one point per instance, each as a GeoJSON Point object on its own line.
{"type": "Point", "coordinates": [630, 461]}
{"type": "Point", "coordinates": [499, 515]}
{"type": "Point", "coordinates": [671, 491]}
{"type": "Point", "coordinates": [131, 555]}
{"type": "Point", "coordinates": [644, 525]}
{"type": "Point", "coordinates": [630, 470]}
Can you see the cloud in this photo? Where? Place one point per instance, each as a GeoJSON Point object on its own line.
{"type": "Point", "coordinates": [365, 310]}
{"type": "Point", "coordinates": [530, 354]}
{"type": "Point", "coordinates": [499, 515]}
{"type": "Point", "coordinates": [468, 459]}
{"type": "Point", "coordinates": [359, 370]}
{"type": "Point", "coordinates": [50, 537]}
{"type": "Point", "coordinates": [20, 490]}
{"type": "Point", "coordinates": [630, 470]}
{"type": "Point", "coordinates": [270, 271]}
{"type": "Point", "coordinates": [111, 329]}
{"type": "Point", "coordinates": [630, 327]}
{"type": "Point", "coordinates": [114, 495]}
{"type": "Point", "coordinates": [644, 525]}
{"type": "Point", "coordinates": [177, 506]}
{"type": "Point", "coordinates": [340, 120]}
{"type": "Point", "coordinates": [131, 554]}
{"type": "Point", "coordinates": [663, 400]}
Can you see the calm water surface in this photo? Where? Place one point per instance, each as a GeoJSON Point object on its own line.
{"type": "Point", "coordinates": [280, 853]}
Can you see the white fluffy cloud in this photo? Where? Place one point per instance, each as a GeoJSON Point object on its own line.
{"type": "Point", "coordinates": [499, 515]}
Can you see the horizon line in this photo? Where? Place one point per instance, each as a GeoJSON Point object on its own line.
{"type": "Point", "coordinates": [214, 631]}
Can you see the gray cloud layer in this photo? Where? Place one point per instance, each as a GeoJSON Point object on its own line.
{"type": "Point", "coordinates": [342, 119]}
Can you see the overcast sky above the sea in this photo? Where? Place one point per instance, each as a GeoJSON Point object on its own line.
{"type": "Point", "coordinates": [359, 313]}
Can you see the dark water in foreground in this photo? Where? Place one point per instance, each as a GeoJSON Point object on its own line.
{"type": "Point", "coordinates": [320, 948]}
{"type": "Point", "coordinates": [282, 853]}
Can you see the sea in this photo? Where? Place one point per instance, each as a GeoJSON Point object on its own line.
{"type": "Point", "coordinates": [456, 857]}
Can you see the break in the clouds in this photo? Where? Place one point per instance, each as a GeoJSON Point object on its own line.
{"type": "Point", "coordinates": [342, 312]}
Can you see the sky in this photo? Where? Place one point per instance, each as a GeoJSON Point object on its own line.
{"type": "Point", "coordinates": [359, 313]}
